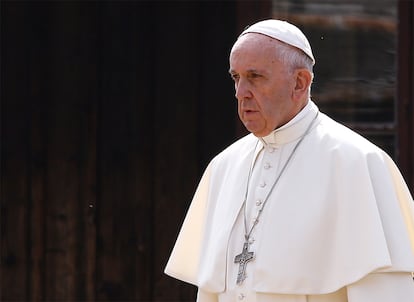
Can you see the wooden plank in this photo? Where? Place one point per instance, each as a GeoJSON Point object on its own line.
{"type": "Point", "coordinates": [112, 161]}
{"type": "Point", "coordinates": [14, 185]}
{"type": "Point", "coordinates": [411, 137]}
{"type": "Point", "coordinates": [141, 154]}
{"type": "Point", "coordinates": [88, 84]}
{"type": "Point", "coordinates": [175, 123]}
{"type": "Point", "coordinates": [125, 165]}
{"type": "Point", "coordinates": [38, 187]}
{"type": "Point", "coordinates": [68, 67]}
{"type": "Point", "coordinates": [14, 205]}
{"type": "Point", "coordinates": [405, 93]}
{"type": "Point", "coordinates": [88, 198]}
{"type": "Point", "coordinates": [37, 105]}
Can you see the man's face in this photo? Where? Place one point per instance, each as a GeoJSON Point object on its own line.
{"type": "Point", "coordinates": [263, 85]}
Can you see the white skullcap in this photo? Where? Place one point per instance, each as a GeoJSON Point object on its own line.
{"type": "Point", "coordinates": [282, 31]}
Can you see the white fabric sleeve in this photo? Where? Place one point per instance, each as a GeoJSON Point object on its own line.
{"type": "Point", "coordinates": [203, 296]}
{"type": "Point", "coordinates": [383, 287]}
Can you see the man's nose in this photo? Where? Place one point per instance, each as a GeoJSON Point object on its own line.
{"type": "Point", "coordinates": [243, 90]}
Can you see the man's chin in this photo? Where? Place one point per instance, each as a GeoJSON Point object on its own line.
{"type": "Point", "coordinates": [259, 133]}
{"type": "Point", "coordinates": [256, 130]}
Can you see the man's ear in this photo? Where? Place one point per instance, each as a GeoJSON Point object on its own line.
{"type": "Point", "coordinates": [303, 79]}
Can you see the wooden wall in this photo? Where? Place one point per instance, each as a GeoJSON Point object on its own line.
{"type": "Point", "coordinates": [110, 112]}
{"type": "Point", "coordinates": [405, 95]}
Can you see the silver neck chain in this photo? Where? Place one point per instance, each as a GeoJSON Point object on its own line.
{"type": "Point", "coordinates": [247, 233]}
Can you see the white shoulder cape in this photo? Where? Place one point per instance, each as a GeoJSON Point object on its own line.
{"type": "Point", "coordinates": [340, 211]}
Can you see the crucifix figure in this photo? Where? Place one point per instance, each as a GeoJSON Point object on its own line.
{"type": "Point", "coordinates": [242, 259]}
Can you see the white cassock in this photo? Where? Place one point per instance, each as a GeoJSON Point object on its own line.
{"type": "Point", "coordinates": [337, 226]}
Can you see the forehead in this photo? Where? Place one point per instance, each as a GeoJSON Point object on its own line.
{"type": "Point", "coordinates": [253, 49]}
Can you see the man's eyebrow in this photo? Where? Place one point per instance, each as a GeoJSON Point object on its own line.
{"type": "Point", "coordinates": [231, 71]}
{"type": "Point", "coordinates": [255, 71]}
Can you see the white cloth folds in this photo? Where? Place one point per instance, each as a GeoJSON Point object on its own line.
{"type": "Point", "coordinates": [340, 212]}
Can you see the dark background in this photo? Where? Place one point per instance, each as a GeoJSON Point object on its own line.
{"type": "Point", "coordinates": [110, 111]}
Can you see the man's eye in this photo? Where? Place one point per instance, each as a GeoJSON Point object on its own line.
{"type": "Point", "coordinates": [255, 75]}
{"type": "Point", "coordinates": [235, 77]}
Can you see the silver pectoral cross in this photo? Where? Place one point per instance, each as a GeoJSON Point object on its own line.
{"type": "Point", "coordinates": [242, 260]}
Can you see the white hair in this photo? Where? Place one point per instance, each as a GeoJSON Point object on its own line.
{"type": "Point", "coordinates": [294, 58]}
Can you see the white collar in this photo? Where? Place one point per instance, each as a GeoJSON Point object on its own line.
{"type": "Point", "coordinates": [292, 130]}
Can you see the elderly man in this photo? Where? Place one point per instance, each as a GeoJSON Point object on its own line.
{"type": "Point", "coordinates": [302, 209]}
